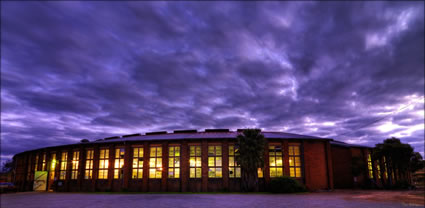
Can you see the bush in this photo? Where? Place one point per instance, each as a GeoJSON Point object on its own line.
{"type": "Point", "coordinates": [402, 184]}
{"type": "Point", "coordinates": [285, 185]}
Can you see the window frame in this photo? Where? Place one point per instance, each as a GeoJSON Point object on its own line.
{"type": "Point", "coordinates": [233, 165]}
{"type": "Point", "coordinates": [44, 162]}
{"type": "Point", "coordinates": [370, 166]}
{"type": "Point", "coordinates": [53, 163]}
{"type": "Point", "coordinates": [37, 157]}
{"type": "Point", "coordinates": [275, 155]}
{"type": "Point", "coordinates": [215, 161]}
{"type": "Point", "coordinates": [63, 165]}
{"type": "Point", "coordinates": [138, 166]}
{"type": "Point", "coordinates": [119, 162]}
{"type": "Point", "coordinates": [88, 169]}
{"type": "Point", "coordinates": [75, 164]}
{"type": "Point", "coordinates": [103, 169]}
{"type": "Point", "coordinates": [385, 167]}
{"type": "Point", "coordinates": [155, 162]}
{"type": "Point", "coordinates": [174, 161]}
{"type": "Point", "coordinates": [292, 158]}
{"type": "Point", "coordinates": [195, 161]}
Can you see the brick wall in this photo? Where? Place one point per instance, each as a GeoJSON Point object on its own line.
{"type": "Point", "coordinates": [341, 160]}
{"type": "Point", "coordinates": [315, 165]}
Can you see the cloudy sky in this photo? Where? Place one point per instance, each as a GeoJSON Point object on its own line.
{"type": "Point", "coordinates": [72, 70]}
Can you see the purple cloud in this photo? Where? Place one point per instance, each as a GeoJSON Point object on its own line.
{"type": "Point", "coordinates": [73, 70]}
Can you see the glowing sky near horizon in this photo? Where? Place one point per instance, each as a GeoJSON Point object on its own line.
{"type": "Point", "coordinates": [88, 70]}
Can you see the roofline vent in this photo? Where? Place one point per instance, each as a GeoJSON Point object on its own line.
{"type": "Point", "coordinates": [186, 131]}
{"type": "Point", "coordinates": [114, 137]}
{"type": "Point", "coordinates": [216, 130]}
{"type": "Point", "coordinates": [131, 135]}
{"type": "Point", "coordinates": [156, 132]}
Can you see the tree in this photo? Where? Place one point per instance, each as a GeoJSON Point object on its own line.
{"type": "Point", "coordinates": [416, 162]}
{"type": "Point", "coordinates": [397, 155]}
{"type": "Point", "coordinates": [250, 146]}
{"type": "Point", "coordinates": [7, 166]}
{"type": "Point", "coordinates": [357, 166]}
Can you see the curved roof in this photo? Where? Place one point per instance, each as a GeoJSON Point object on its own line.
{"type": "Point", "coordinates": [204, 135]}
{"type": "Point", "coordinates": [343, 144]}
{"type": "Point", "coordinates": [188, 134]}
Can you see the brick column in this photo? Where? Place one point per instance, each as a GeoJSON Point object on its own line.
{"type": "Point", "coordinates": [146, 150]}
{"type": "Point", "coordinates": [164, 166]}
{"type": "Point", "coordinates": [95, 167]}
{"type": "Point", "coordinates": [225, 164]}
{"type": "Point", "coordinates": [204, 147]}
{"type": "Point", "coordinates": [81, 167]}
{"type": "Point", "coordinates": [285, 154]}
{"type": "Point", "coordinates": [364, 155]}
{"type": "Point", "coordinates": [184, 165]}
{"type": "Point", "coordinates": [48, 165]}
{"type": "Point", "coordinates": [111, 166]}
{"type": "Point", "coordinates": [26, 170]}
{"type": "Point", "coordinates": [329, 165]}
{"type": "Point", "coordinates": [127, 165]}
{"type": "Point", "coordinates": [306, 160]}
{"type": "Point", "coordinates": [266, 172]}
{"type": "Point", "coordinates": [68, 169]}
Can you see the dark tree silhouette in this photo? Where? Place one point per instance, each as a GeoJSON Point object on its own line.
{"type": "Point", "coordinates": [250, 146]}
{"type": "Point", "coordinates": [7, 166]}
{"type": "Point", "coordinates": [398, 156]}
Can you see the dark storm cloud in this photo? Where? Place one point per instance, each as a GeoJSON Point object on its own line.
{"type": "Point", "coordinates": [74, 70]}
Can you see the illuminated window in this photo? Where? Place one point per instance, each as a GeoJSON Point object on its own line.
{"type": "Point", "coordinates": [155, 162]}
{"type": "Point", "coordinates": [43, 165]}
{"type": "Point", "coordinates": [103, 164]}
{"type": "Point", "coordinates": [119, 163]}
{"type": "Point", "coordinates": [174, 162]}
{"type": "Point", "coordinates": [64, 159]}
{"type": "Point", "coordinates": [234, 167]}
{"type": "Point", "coordinates": [88, 174]}
{"type": "Point", "coordinates": [137, 163]}
{"type": "Point", "coordinates": [52, 165]}
{"type": "Point", "coordinates": [294, 160]}
{"type": "Point", "coordinates": [378, 169]}
{"type": "Point", "coordinates": [195, 162]}
{"type": "Point", "coordinates": [36, 163]}
{"type": "Point", "coordinates": [214, 161]}
{"type": "Point", "coordinates": [369, 165]}
{"type": "Point", "coordinates": [275, 160]}
{"type": "Point", "coordinates": [385, 169]}
{"type": "Point", "coordinates": [260, 173]}
{"type": "Point", "coordinates": [75, 164]}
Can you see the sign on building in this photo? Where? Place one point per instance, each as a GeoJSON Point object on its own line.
{"type": "Point", "coordinates": [40, 181]}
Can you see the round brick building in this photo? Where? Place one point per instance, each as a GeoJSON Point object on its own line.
{"type": "Point", "coordinates": [185, 160]}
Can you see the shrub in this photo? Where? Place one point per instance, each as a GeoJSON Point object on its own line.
{"type": "Point", "coordinates": [285, 185]}
{"type": "Point", "coordinates": [402, 184]}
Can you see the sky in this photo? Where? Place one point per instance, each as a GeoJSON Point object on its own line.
{"type": "Point", "coordinates": [351, 71]}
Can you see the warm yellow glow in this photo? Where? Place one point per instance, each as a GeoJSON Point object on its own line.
{"type": "Point", "coordinates": [192, 162]}
{"type": "Point", "coordinates": [198, 162]}
{"type": "Point", "coordinates": [53, 166]}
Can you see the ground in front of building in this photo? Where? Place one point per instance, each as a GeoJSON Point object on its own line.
{"type": "Point", "coordinates": [334, 199]}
